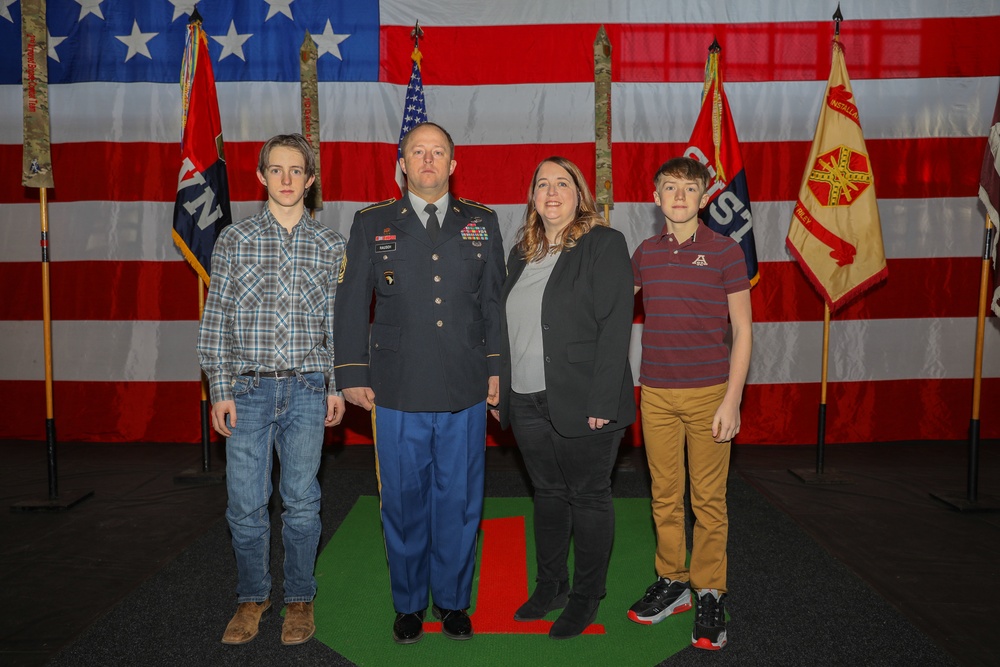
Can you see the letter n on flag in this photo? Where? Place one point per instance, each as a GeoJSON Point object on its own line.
{"type": "Point", "coordinates": [989, 193]}
{"type": "Point", "coordinates": [835, 232]}
{"type": "Point", "coordinates": [714, 143]}
{"type": "Point", "coordinates": [201, 209]}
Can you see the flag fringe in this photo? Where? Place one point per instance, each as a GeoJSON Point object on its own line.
{"type": "Point", "coordinates": [191, 259]}
{"type": "Point", "coordinates": [853, 293]}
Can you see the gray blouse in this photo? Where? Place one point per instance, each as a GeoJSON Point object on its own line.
{"type": "Point", "coordinates": [524, 325]}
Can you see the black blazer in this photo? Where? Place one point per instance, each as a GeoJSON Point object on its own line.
{"type": "Point", "coordinates": [586, 329]}
{"type": "Point", "coordinates": [435, 336]}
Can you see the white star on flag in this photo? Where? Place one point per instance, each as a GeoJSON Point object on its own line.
{"type": "Point", "coordinates": [5, 9]}
{"type": "Point", "coordinates": [329, 42]}
{"type": "Point", "coordinates": [232, 42]}
{"type": "Point", "coordinates": [182, 7]}
{"type": "Point", "coordinates": [275, 7]}
{"type": "Point", "coordinates": [136, 42]}
{"type": "Point", "coordinates": [53, 43]}
{"type": "Point", "coordinates": [90, 7]}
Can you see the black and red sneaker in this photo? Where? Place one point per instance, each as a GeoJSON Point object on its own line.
{"type": "Point", "coordinates": [710, 621]}
{"type": "Point", "coordinates": [664, 598]}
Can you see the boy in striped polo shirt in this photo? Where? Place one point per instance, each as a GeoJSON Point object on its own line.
{"type": "Point", "coordinates": [693, 280]}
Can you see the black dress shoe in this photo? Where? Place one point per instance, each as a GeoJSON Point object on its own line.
{"type": "Point", "coordinates": [408, 628]}
{"type": "Point", "coordinates": [455, 623]}
{"type": "Point", "coordinates": [548, 596]}
{"type": "Point", "coordinates": [578, 614]}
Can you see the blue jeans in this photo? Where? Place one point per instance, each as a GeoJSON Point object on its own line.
{"type": "Point", "coordinates": [286, 414]}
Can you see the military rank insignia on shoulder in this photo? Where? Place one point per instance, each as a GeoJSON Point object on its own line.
{"type": "Point", "coordinates": [475, 203]}
{"type": "Point", "coordinates": [380, 204]}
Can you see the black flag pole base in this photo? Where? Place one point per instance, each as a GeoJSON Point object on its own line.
{"type": "Point", "coordinates": [205, 475]}
{"type": "Point", "coordinates": [828, 476]}
{"type": "Point", "coordinates": [199, 476]}
{"type": "Point", "coordinates": [961, 503]}
{"type": "Point", "coordinates": [820, 474]}
{"type": "Point", "coordinates": [66, 501]}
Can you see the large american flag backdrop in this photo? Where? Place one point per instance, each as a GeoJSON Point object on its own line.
{"type": "Point", "coordinates": [513, 82]}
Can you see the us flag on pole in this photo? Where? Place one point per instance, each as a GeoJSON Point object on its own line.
{"type": "Point", "coordinates": [414, 111]}
{"type": "Point", "coordinates": [201, 209]}
{"type": "Point", "coordinates": [714, 143]}
{"type": "Point", "coordinates": [989, 193]}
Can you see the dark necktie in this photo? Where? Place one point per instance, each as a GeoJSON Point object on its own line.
{"type": "Point", "coordinates": [433, 225]}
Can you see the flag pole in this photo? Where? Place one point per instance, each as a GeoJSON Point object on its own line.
{"type": "Point", "coordinates": [414, 104]}
{"type": "Point", "coordinates": [821, 475]}
{"type": "Point", "coordinates": [602, 121]}
{"type": "Point", "coordinates": [206, 461]}
{"type": "Point", "coordinates": [188, 72]}
{"type": "Point", "coordinates": [972, 501]}
{"type": "Point", "coordinates": [37, 173]}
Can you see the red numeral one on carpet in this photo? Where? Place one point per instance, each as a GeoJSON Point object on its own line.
{"type": "Point", "coordinates": [503, 582]}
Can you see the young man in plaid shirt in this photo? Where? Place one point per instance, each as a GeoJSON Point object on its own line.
{"type": "Point", "coordinates": [266, 344]}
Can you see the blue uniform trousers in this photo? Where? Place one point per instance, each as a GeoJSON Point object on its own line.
{"type": "Point", "coordinates": [430, 473]}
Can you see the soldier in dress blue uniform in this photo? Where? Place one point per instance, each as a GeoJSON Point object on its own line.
{"type": "Point", "coordinates": [426, 368]}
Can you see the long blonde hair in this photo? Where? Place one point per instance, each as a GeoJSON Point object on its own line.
{"type": "Point", "coordinates": [531, 241]}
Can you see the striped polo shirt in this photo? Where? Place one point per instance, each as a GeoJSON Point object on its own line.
{"type": "Point", "coordinates": [685, 290]}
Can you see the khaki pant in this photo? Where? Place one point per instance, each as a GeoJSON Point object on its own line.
{"type": "Point", "coordinates": [671, 417]}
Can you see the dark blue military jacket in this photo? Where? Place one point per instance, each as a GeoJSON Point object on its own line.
{"type": "Point", "coordinates": [435, 337]}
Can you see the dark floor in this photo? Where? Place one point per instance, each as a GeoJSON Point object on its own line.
{"type": "Point", "coordinates": [63, 571]}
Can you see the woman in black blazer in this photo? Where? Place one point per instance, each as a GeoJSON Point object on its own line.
{"type": "Point", "coordinates": [565, 384]}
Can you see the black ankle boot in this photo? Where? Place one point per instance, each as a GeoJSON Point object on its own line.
{"type": "Point", "coordinates": [547, 597]}
{"type": "Point", "coordinates": [578, 614]}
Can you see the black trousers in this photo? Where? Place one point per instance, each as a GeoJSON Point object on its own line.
{"type": "Point", "coordinates": [572, 481]}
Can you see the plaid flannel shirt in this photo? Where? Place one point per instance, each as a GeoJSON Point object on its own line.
{"type": "Point", "coordinates": [258, 270]}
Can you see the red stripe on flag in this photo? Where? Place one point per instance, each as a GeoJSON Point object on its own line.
{"type": "Point", "coordinates": [932, 409]}
{"type": "Point", "coordinates": [877, 49]}
{"type": "Point", "coordinates": [361, 172]}
{"type": "Point", "coordinates": [159, 291]}
{"type": "Point", "coordinates": [873, 411]}
{"type": "Point", "coordinates": [102, 291]}
{"type": "Point", "coordinates": [784, 294]}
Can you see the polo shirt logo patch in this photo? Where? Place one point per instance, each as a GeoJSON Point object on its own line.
{"type": "Point", "coordinates": [700, 261]}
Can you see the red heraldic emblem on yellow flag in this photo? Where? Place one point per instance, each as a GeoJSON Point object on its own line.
{"type": "Point", "coordinates": [201, 209]}
{"type": "Point", "coordinates": [835, 233]}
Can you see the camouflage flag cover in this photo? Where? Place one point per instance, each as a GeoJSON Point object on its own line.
{"type": "Point", "coordinates": [602, 118]}
{"type": "Point", "coordinates": [37, 167]}
{"type": "Point", "coordinates": [309, 83]}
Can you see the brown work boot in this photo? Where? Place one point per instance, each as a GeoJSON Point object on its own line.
{"type": "Point", "coordinates": [243, 627]}
{"type": "Point", "coordinates": [299, 626]}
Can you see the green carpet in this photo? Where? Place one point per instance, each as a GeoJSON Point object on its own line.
{"type": "Point", "coordinates": [354, 610]}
